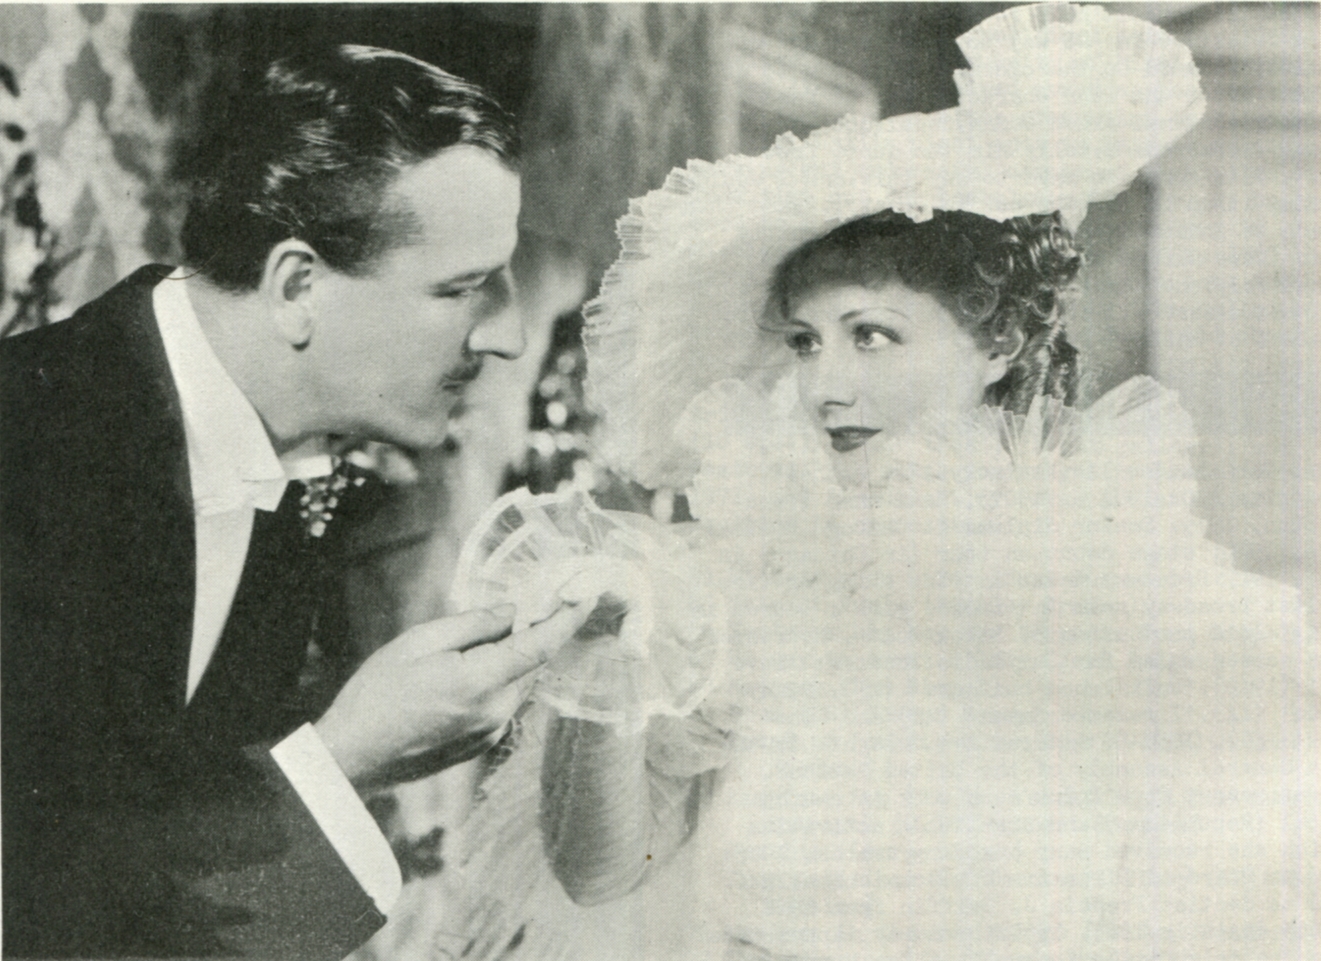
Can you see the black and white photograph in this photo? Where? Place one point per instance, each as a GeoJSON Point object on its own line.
{"type": "Point", "coordinates": [660, 481]}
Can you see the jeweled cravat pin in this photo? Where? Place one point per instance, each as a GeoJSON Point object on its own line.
{"type": "Point", "coordinates": [321, 498]}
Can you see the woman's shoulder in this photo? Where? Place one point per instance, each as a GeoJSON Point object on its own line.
{"type": "Point", "coordinates": [1134, 441]}
{"type": "Point", "coordinates": [1107, 487]}
{"type": "Point", "coordinates": [1128, 457]}
{"type": "Point", "coordinates": [1139, 410]}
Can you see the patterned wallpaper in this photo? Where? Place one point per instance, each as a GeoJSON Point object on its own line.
{"type": "Point", "coordinates": [107, 89]}
{"type": "Point", "coordinates": [101, 153]}
{"type": "Point", "coordinates": [621, 95]}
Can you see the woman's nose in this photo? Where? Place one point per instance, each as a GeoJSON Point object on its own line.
{"type": "Point", "coordinates": [833, 378]}
{"type": "Point", "coordinates": [499, 330]}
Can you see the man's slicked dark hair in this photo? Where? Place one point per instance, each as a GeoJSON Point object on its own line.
{"type": "Point", "coordinates": [311, 155]}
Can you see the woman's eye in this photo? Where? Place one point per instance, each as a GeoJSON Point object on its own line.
{"type": "Point", "coordinates": [803, 343]}
{"type": "Point", "coordinates": [874, 338]}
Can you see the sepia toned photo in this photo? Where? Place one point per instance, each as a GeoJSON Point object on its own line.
{"type": "Point", "coordinates": [660, 481]}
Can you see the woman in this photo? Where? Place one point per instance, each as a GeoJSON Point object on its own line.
{"type": "Point", "coordinates": [991, 693]}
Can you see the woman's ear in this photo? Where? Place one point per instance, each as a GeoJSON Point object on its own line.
{"type": "Point", "coordinates": [286, 286]}
{"type": "Point", "coordinates": [997, 365]}
{"type": "Point", "coordinates": [1002, 354]}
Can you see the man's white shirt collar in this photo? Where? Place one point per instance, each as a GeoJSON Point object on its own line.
{"type": "Point", "coordinates": [231, 461]}
{"type": "Point", "coordinates": [232, 467]}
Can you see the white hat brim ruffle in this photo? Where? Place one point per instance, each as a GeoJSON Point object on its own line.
{"type": "Point", "coordinates": [1062, 107]}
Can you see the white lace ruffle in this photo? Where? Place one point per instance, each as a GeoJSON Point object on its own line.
{"type": "Point", "coordinates": [662, 658]}
{"type": "Point", "coordinates": [1107, 93]}
{"type": "Point", "coordinates": [981, 693]}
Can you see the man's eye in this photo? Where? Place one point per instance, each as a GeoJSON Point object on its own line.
{"type": "Point", "coordinates": [457, 293]}
{"type": "Point", "coordinates": [803, 343]}
{"type": "Point", "coordinates": [468, 288]}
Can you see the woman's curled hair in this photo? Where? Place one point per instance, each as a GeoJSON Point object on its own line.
{"type": "Point", "coordinates": [1007, 283]}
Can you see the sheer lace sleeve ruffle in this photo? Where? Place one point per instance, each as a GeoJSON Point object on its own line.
{"type": "Point", "coordinates": [655, 645]}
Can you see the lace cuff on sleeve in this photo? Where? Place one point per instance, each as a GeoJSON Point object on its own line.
{"type": "Point", "coordinates": [655, 646]}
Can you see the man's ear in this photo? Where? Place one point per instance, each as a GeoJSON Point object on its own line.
{"type": "Point", "coordinates": [286, 286]}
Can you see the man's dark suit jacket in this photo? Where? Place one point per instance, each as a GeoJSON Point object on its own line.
{"type": "Point", "coordinates": [134, 824]}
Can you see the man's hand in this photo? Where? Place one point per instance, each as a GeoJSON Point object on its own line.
{"type": "Point", "coordinates": [440, 693]}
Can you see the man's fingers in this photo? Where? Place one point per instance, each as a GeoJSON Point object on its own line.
{"type": "Point", "coordinates": [504, 662]}
{"type": "Point", "coordinates": [457, 633]}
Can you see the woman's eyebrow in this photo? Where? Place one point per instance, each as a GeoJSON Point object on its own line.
{"type": "Point", "coordinates": [852, 315]}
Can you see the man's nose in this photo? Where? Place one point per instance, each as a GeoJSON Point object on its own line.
{"type": "Point", "coordinates": [499, 330]}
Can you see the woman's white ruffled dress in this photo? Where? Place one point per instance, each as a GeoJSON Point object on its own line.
{"type": "Point", "coordinates": [1006, 702]}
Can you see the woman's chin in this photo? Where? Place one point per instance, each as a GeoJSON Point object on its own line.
{"type": "Point", "coordinates": [850, 469]}
{"type": "Point", "coordinates": [856, 467]}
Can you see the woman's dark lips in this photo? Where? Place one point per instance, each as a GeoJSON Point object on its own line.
{"type": "Point", "coordinates": [845, 439]}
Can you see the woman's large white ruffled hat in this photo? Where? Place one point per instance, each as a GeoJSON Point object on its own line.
{"type": "Point", "coordinates": [1061, 107]}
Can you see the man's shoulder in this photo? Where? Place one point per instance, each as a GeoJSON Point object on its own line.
{"type": "Point", "coordinates": [130, 298]}
{"type": "Point", "coordinates": [73, 349]}
{"type": "Point", "coordinates": [89, 386]}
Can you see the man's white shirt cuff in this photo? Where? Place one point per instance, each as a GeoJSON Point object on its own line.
{"type": "Point", "coordinates": [340, 814]}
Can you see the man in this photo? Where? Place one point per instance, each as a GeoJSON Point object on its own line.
{"type": "Point", "coordinates": [347, 271]}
